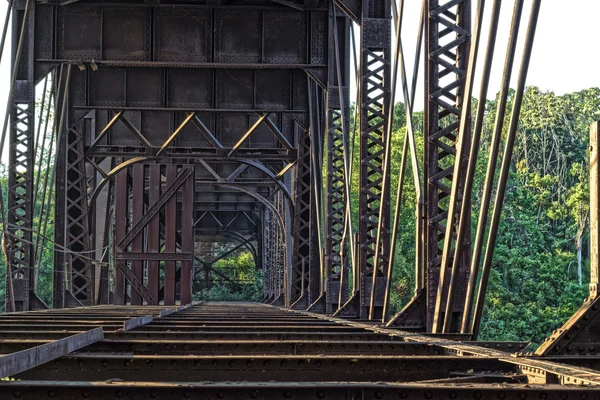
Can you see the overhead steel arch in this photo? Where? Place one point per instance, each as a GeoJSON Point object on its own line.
{"type": "Point", "coordinates": [259, 166]}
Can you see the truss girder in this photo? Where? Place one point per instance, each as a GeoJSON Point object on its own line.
{"type": "Point", "coordinates": [338, 145]}
{"type": "Point", "coordinates": [215, 86]}
{"type": "Point", "coordinates": [374, 87]}
{"type": "Point", "coordinates": [77, 228]}
{"type": "Point", "coordinates": [302, 237]}
{"type": "Point", "coordinates": [18, 240]}
{"type": "Point", "coordinates": [447, 32]}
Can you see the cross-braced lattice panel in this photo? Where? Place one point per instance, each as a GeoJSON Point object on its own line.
{"type": "Point", "coordinates": [280, 252]}
{"type": "Point", "coordinates": [336, 193]}
{"type": "Point", "coordinates": [78, 238]}
{"type": "Point", "coordinates": [268, 258]}
{"type": "Point", "coordinates": [375, 100]}
{"type": "Point", "coordinates": [20, 193]}
{"type": "Point", "coordinates": [301, 235]}
{"type": "Point", "coordinates": [449, 38]}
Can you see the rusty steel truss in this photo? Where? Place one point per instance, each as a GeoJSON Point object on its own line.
{"type": "Point", "coordinates": [165, 126]}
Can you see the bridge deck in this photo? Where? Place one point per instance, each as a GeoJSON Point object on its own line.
{"type": "Point", "coordinates": [254, 351]}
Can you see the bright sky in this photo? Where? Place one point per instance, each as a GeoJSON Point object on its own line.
{"type": "Point", "coordinates": [564, 59]}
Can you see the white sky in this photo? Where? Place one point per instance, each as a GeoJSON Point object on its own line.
{"type": "Point", "coordinates": [565, 57]}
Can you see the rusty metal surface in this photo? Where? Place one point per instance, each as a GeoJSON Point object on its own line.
{"type": "Point", "coordinates": [211, 120]}
{"type": "Point", "coordinates": [269, 355]}
{"type": "Point", "coordinates": [270, 390]}
{"type": "Point", "coordinates": [15, 363]}
{"type": "Point", "coordinates": [135, 221]}
{"type": "Point", "coordinates": [445, 71]}
{"type": "Point", "coordinates": [221, 87]}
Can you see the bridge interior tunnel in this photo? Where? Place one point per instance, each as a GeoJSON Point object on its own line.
{"type": "Point", "coordinates": [170, 126]}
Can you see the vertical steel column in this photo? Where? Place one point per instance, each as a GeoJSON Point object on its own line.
{"type": "Point", "coordinates": [187, 239]}
{"type": "Point", "coordinates": [301, 233]}
{"type": "Point", "coordinates": [317, 261]}
{"type": "Point", "coordinates": [266, 222]}
{"type": "Point", "coordinates": [21, 161]}
{"type": "Point", "coordinates": [137, 245]}
{"type": "Point", "coordinates": [77, 237]}
{"type": "Point", "coordinates": [102, 222]}
{"type": "Point", "coordinates": [272, 247]}
{"type": "Point", "coordinates": [59, 276]}
{"type": "Point", "coordinates": [277, 256]}
{"type": "Point", "coordinates": [73, 179]}
{"type": "Point", "coordinates": [374, 99]}
{"type": "Point", "coordinates": [276, 261]}
{"type": "Point", "coordinates": [447, 41]}
{"type": "Point", "coordinates": [594, 209]}
{"type": "Point", "coordinates": [121, 218]}
{"type": "Point", "coordinates": [281, 263]}
{"type": "Point", "coordinates": [153, 244]}
{"type": "Point", "coordinates": [260, 250]}
{"type": "Point", "coordinates": [170, 238]}
{"type": "Point", "coordinates": [338, 122]}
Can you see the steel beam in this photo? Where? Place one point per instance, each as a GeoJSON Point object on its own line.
{"type": "Point", "coordinates": [447, 41]}
{"type": "Point", "coordinates": [337, 259]}
{"type": "Point", "coordinates": [270, 390]}
{"type": "Point", "coordinates": [301, 368]}
{"type": "Point", "coordinates": [18, 239]}
{"type": "Point", "coordinates": [374, 89]}
{"type": "Point", "coordinates": [302, 235]}
{"type": "Point", "coordinates": [16, 363]}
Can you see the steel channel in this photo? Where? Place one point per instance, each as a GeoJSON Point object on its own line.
{"type": "Point", "coordinates": [294, 391]}
{"type": "Point", "coordinates": [303, 368]}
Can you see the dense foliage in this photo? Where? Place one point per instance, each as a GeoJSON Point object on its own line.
{"type": "Point", "coordinates": [245, 280]}
{"type": "Point", "coordinates": [540, 269]}
{"type": "Point", "coordinates": [44, 287]}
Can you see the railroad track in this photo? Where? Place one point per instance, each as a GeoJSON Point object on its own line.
{"type": "Point", "coordinates": [256, 351]}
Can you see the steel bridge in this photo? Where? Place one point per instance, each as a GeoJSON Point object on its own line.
{"type": "Point", "coordinates": [149, 128]}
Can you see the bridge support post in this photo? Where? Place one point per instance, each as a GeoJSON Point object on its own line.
{"type": "Point", "coordinates": [338, 143]}
{"type": "Point", "coordinates": [374, 99]}
{"type": "Point", "coordinates": [442, 121]}
{"type": "Point", "coordinates": [18, 242]}
{"type": "Point", "coordinates": [317, 292]}
{"type": "Point", "coordinates": [279, 264]}
{"type": "Point", "coordinates": [71, 199]}
{"type": "Point", "coordinates": [302, 236]}
{"type": "Point", "coordinates": [445, 70]}
{"type": "Point", "coordinates": [267, 249]}
{"type": "Point", "coordinates": [77, 237]}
